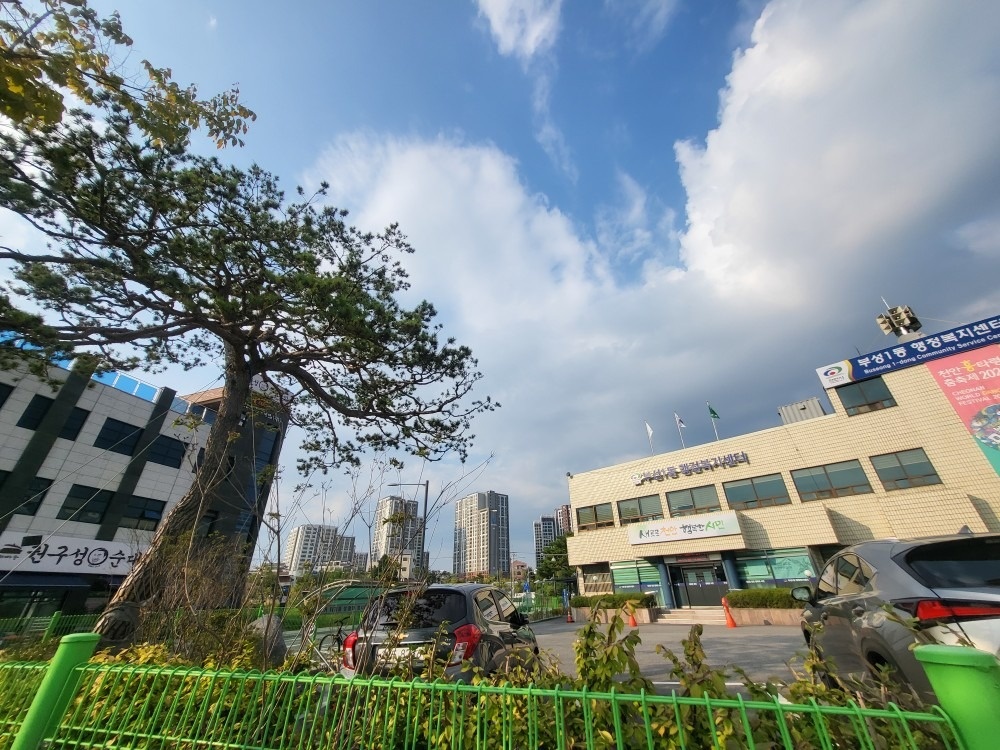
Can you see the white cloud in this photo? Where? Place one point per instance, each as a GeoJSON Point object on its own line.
{"type": "Point", "coordinates": [855, 157]}
{"type": "Point", "coordinates": [528, 30]}
{"type": "Point", "coordinates": [647, 20]}
{"type": "Point", "coordinates": [522, 28]}
{"type": "Point", "coordinates": [213, 23]}
{"type": "Point", "coordinates": [853, 139]}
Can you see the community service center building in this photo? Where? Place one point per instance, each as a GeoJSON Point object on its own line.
{"type": "Point", "coordinates": [911, 450]}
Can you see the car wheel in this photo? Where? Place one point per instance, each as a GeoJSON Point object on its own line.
{"type": "Point", "coordinates": [507, 662]}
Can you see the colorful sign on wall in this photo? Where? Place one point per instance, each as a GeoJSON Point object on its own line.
{"type": "Point", "coordinates": [685, 527]}
{"type": "Point", "coordinates": [62, 554]}
{"type": "Point", "coordinates": [971, 381]}
{"type": "Point", "coordinates": [910, 353]}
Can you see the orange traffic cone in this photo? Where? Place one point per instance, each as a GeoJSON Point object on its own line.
{"type": "Point", "coordinates": [730, 622]}
{"type": "Point", "coordinates": [631, 620]}
{"type": "Point", "coordinates": [569, 615]}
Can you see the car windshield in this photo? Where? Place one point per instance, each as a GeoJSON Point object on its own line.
{"type": "Point", "coordinates": [414, 609]}
{"type": "Point", "coordinates": [963, 563]}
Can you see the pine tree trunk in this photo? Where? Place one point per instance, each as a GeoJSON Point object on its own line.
{"type": "Point", "coordinates": [139, 591]}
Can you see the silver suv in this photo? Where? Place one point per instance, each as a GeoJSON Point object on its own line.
{"type": "Point", "coordinates": [459, 625]}
{"type": "Point", "coordinates": [874, 600]}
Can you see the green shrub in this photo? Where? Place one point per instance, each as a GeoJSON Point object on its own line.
{"type": "Point", "coordinates": [770, 598]}
{"type": "Point", "coordinates": [613, 601]}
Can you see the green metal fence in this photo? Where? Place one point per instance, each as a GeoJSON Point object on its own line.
{"type": "Point", "coordinates": [18, 684]}
{"type": "Point", "coordinates": [128, 706]}
{"type": "Point", "coordinates": [42, 628]}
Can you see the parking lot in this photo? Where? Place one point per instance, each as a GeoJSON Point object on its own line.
{"type": "Point", "coordinates": [763, 651]}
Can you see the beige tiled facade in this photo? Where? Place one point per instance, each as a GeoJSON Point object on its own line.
{"type": "Point", "coordinates": [968, 494]}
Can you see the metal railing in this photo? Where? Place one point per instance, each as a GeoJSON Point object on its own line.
{"type": "Point", "coordinates": [129, 706]}
{"type": "Point", "coordinates": [17, 629]}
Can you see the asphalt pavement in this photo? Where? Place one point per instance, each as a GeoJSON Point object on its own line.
{"type": "Point", "coordinates": [764, 651]}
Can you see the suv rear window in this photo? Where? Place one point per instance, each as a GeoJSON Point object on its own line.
{"type": "Point", "coordinates": [963, 563]}
{"type": "Point", "coordinates": [413, 609]}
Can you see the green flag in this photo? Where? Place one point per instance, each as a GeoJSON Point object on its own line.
{"type": "Point", "coordinates": [711, 412]}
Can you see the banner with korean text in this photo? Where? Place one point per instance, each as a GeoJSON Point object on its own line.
{"type": "Point", "coordinates": [971, 381]}
{"type": "Point", "coordinates": [686, 527]}
{"type": "Point", "coordinates": [63, 554]}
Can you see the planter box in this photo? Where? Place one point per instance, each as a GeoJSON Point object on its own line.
{"type": "Point", "coordinates": [753, 616]}
{"type": "Point", "coordinates": [642, 616]}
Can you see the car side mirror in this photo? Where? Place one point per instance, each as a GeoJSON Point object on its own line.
{"type": "Point", "coordinates": [517, 620]}
{"type": "Point", "coordinates": [803, 594]}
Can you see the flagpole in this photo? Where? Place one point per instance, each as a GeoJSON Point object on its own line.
{"type": "Point", "coordinates": [649, 434]}
{"type": "Point", "coordinates": [712, 420]}
{"type": "Point", "coordinates": [679, 433]}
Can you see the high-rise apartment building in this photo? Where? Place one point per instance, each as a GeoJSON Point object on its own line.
{"type": "Point", "coordinates": [310, 547]}
{"type": "Point", "coordinates": [564, 525]}
{"type": "Point", "coordinates": [482, 535]}
{"type": "Point", "coordinates": [397, 532]}
{"type": "Point", "coordinates": [545, 533]}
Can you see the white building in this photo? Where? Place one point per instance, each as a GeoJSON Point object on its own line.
{"type": "Point", "coordinates": [309, 547]}
{"type": "Point", "coordinates": [482, 535]}
{"type": "Point", "coordinates": [397, 533]}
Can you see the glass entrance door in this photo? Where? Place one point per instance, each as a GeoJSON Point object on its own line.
{"type": "Point", "coordinates": [699, 585]}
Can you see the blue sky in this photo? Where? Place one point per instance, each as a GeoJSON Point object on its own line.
{"type": "Point", "coordinates": [626, 209]}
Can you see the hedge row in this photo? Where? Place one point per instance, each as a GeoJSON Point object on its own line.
{"type": "Point", "coordinates": [613, 601]}
{"type": "Point", "coordinates": [768, 598]}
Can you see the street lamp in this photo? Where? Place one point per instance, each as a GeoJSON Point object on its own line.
{"type": "Point", "coordinates": [426, 484]}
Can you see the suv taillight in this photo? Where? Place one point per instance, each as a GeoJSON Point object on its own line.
{"type": "Point", "coordinates": [466, 639]}
{"type": "Point", "coordinates": [349, 644]}
{"type": "Point", "coordinates": [942, 610]}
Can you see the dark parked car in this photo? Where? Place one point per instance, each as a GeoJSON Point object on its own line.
{"type": "Point", "coordinates": [473, 623]}
{"type": "Point", "coordinates": [948, 586]}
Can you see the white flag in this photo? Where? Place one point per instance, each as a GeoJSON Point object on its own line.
{"type": "Point", "coordinates": [679, 421]}
{"type": "Point", "coordinates": [649, 431]}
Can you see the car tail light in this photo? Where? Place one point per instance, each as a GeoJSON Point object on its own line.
{"type": "Point", "coordinates": [938, 610]}
{"type": "Point", "coordinates": [349, 642]}
{"type": "Point", "coordinates": [466, 639]}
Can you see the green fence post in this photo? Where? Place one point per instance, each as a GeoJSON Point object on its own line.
{"type": "Point", "coordinates": [966, 682]}
{"type": "Point", "coordinates": [53, 621]}
{"type": "Point", "coordinates": [56, 691]}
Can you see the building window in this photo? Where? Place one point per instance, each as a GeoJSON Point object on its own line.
{"type": "Point", "coordinates": [693, 501]}
{"type": "Point", "coordinates": [142, 513]}
{"type": "Point", "coordinates": [868, 395]}
{"type": "Point", "coordinates": [74, 423]}
{"type": "Point", "coordinates": [119, 437]}
{"type": "Point", "coordinates": [899, 471]}
{"type": "Point", "coordinates": [640, 509]}
{"type": "Point", "coordinates": [833, 480]}
{"type": "Point", "coordinates": [33, 495]}
{"type": "Point", "coordinates": [167, 451]}
{"type": "Point", "coordinates": [758, 492]}
{"type": "Point", "coordinates": [85, 504]}
{"type": "Point", "coordinates": [594, 517]}
{"type": "Point", "coordinates": [35, 412]}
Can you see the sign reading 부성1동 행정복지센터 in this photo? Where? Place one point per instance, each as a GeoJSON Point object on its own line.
{"type": "Point", "coordinates": [62, 554]}
{"type": "Point", "coordinates": [911, 353]}
{"type": "Point", "coordinates": [686, 527]}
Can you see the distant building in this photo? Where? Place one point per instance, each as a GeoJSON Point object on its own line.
{"type": "Point", "coordinates": [90, 468]}
{"type": "Point", "coordinates": [520, 570]}
{"type": "Point", "coordinates": [396, 533]}
{"type": "Point", "coordinates": [482, 535]}
{"type": "Point", "coordinates": [360, 561]}
{"type": "Point", "coordinates": [912, 449]}
{"type": "Point", "coordinates": [310, 547]}
{"type": "Point", "coordinates": [564, 525]}
{"type": "Point", "coordinates": [546, 531]}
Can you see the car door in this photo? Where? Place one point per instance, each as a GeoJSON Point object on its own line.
{"type": "Point", "coordinates": [842, 584]}
{"type": "Point", "coordinates": [494, 626]}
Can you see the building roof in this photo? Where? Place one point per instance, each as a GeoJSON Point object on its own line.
{"type": "Point", "coordinates": [213, 395]}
